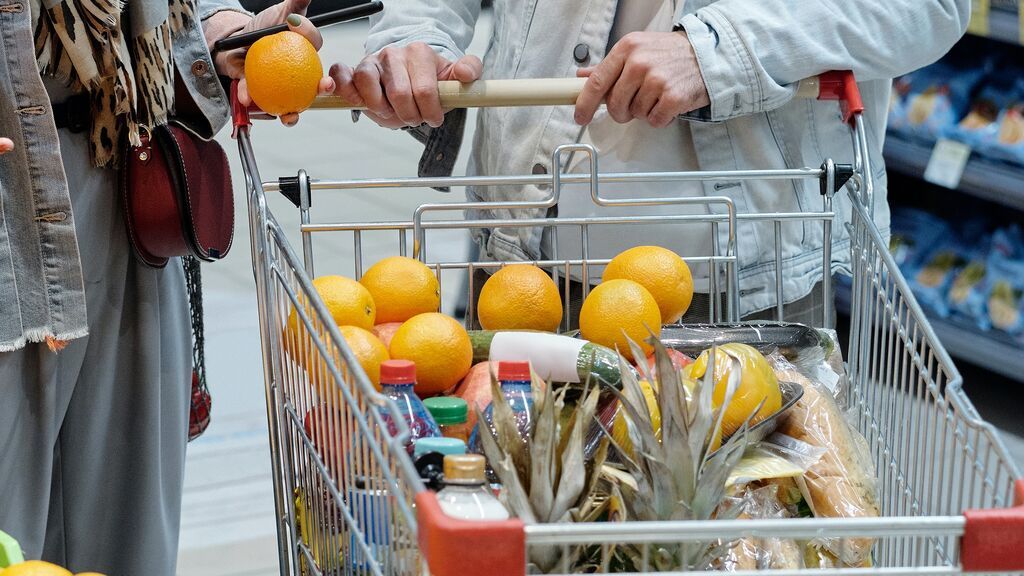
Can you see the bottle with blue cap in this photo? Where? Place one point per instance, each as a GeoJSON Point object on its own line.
{"type": "Point", "coordinates": [429, 456]}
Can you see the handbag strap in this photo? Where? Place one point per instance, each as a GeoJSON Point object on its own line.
{"type": "Point", "coordinates": [200, 402]}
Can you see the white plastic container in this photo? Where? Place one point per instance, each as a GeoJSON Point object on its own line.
{"type": "Point", "coordinates": [466, 494]}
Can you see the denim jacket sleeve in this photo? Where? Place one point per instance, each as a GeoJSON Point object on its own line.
{"type": "Point", "coordinates": [209, 108]}
{"type": "Point", "coordinates": [444, 25]}
{"type": "Point", "coordinates": [753, 52]}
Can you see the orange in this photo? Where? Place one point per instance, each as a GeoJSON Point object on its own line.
{"type": "Point", "coordinates": [520, 297]}
{"type": "Point", "coordinates": [439, 346]}
{"type": "Point", "coordinates": [349, 304]}
{"type": "Point", "coordinates": [402, 288]}
{"type": "Point", "coordinates": [35, 568]}
{"type": "Point", "coordinates": [368, 349]}
{"type": "Point", "coordinates": [282, 73]}
{"type": "Point", "coordinates": [662, 272]}
{"type": "Point", "coordinates": [618, 309]}
{"type": "Point", "coordinates": [757, 383]}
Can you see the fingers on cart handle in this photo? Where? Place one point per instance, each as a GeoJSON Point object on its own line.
{"type": "Point", "coordinates": [993, 538]}
{"type": "Point", "coordinates": [838, 85]}
{"type": "Point", "coordinates": [450, 544]}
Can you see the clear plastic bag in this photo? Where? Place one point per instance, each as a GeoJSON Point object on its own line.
{"type": "Point", "coordinates": [757, 553]}
{"type": "Point", "coordinates": [841, 484]}
{"type": "Point", "coordinates": [779, 456]}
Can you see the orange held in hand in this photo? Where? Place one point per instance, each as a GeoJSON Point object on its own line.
{"type": "Point", "coordinates": [282, 73]}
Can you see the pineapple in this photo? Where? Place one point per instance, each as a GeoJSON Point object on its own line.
{"type": "Point", "coordinates": [548, 479]}
{"type": "Point", "coordinates": [679, 476]}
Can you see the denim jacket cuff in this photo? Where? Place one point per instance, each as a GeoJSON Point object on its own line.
{"type": "Point", "coordinates": [208, 9]}
{"type": "Point", "coordinates": [439, 43]}
{"type": "Point", "coordinates": [728, 69]}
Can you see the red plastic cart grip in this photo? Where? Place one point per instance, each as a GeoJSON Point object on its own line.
{"type": "Point", "coordinates": [841, 85]}
{"type": "Point", "coordinates": [993, 539]}
{"type": "Point", "coordinates": [239, 113]}
{"type": "Point", "coordinates": [456, 547]}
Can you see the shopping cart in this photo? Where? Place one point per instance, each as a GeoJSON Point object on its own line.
{"type": "Point", "coordinates": [348, 499]}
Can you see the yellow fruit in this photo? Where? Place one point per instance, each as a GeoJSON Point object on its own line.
{"type": "Point", "coordinates": [368, 349]}
{"type": "Point", "coordinates": [520, 297]}
{"type": "Point", "coordinates": [620, 427]}
{"type": "Point", "coordinates": [402, 288]}
{"type": "Point", "coordinates": [440, 348]}
{"type": "Point", "coordinates": [35, 568]}
{"type": "Point", "coordinates": [616, 309]}
{"type": "Point", "coordinates": [757, 383]}
{"type": "Point", "coordinates": [282, 73]}
{"type": "Point", "coordinates": [662, 272]}
{"type": "Point", "coordinates": [349, 304]}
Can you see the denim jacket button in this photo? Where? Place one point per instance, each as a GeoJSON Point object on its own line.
{"type": "Point", "coordinates": [581, 53]}
{"type": "Point", "coordinates": [539, 168]}
{"type": "Point", "coordinates": [199, 68]}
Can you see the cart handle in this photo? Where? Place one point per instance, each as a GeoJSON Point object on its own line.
{"type": "Point", "coordinates": [450, 544]}
{"type": "Point", "coordinates": [993, 539]}
{"type": "Point", "coordinates": [838, 85]}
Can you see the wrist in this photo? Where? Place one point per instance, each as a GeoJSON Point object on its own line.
{"type": "Point", "coordinates": [222, 24]}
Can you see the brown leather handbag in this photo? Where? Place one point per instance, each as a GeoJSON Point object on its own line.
{"type": "Point", "coordinates": [177, 196]}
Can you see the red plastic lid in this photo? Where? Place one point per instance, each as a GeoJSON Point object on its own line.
{"type": "Point", "coordinates": [514, 371]}
{"type": "Point", "coordinates": [397, 372]}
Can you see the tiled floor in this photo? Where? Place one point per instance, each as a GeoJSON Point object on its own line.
{"type": "Point", "coordinates": [227, 525]}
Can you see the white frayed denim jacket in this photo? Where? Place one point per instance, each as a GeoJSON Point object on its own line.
{"type": "Point", "coordinates": [751, 53]}
{"type": "Point", "coordinates": [41, 289]}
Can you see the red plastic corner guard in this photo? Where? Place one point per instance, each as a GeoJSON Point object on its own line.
{"type": "Point", "coordinates": [993, 539]}
{"type": "Point", "coordinates": [841, 85]}
{"type": "Point", "coordinates": [455, 547]}
{"type": "Point", "coordinates": [239, 113]}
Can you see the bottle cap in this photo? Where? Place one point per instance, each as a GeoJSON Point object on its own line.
{"type": "Point", "coordinates": [464, 469]}
{"type": "Point", "coordinates": [514, 371]}
{"type": "Point", "coordinates": [397, 372]}
{"type": "Point", "coordinates": [447, 410]}
{"type": "Point", "coordinates": [446, 446]}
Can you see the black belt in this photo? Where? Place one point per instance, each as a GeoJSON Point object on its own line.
{"type": "Point", "coordinates": [73, 114]}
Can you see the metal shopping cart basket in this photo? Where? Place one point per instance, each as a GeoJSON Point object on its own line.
{"type": "Point", "coordinates": [349, 501]}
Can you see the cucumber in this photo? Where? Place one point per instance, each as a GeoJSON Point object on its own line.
{"type": "Point", "coordinates": [593, 362]}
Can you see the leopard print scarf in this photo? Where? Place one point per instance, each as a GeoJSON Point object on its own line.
{"type": "Point", "coordinates": [89, 45]}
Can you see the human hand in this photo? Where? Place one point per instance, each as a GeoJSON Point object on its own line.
{"type": "Point", "coordinates": [652, 76]}
{"type": "Point", "coordinates": [231, 63]}
{"type": "Point", "coordinates": [6, 145]}
{"type": "Point", "coordinates": [398, 86]}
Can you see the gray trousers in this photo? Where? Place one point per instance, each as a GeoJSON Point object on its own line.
{"type": "Point", "coordinates": [92, 439]}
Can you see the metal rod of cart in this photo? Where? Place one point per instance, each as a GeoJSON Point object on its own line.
{"type": "Point", "coordinates": [349, 501]}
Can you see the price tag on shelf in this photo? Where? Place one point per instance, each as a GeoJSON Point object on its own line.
{"type": "Point", "coordinates": [946, 166]}
{"type": "Point", "coordinates": [979, 18]}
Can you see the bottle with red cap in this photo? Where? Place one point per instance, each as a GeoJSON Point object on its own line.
{"type": "Point", "coordinates": [517, 388]}
{"type": "Point", "coordinates": [397, 380]}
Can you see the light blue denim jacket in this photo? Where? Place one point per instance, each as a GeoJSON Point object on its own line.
{"type": "Point", "coordinates": [41, 287]}
{"type": "Point", "coordinates": [751, 53]}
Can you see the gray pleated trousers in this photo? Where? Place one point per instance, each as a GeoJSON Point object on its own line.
{"type": "Point", "coordinates": [92, 439]}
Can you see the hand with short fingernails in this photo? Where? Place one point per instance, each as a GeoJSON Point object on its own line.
{"type": "Point", "coordinates": [398, 85]}
{"type": "Point", "coordinates": [650, 76]}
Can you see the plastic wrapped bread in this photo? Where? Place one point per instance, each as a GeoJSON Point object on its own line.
{"type": "Point", "coordinates": [841, 484]}
{"type": "Point", "coordinates": [762, 553]}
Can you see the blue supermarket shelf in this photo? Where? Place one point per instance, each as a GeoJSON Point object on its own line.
{"type": "Point", "coordinates": [991, 350]}
{"type": "Point", "coordinates": [987, 179]}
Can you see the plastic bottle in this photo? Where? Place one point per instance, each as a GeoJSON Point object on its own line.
{"type": "Point", "coordinates": [450, 413]}
{"type": "Point", "coordinates": [466, 494]}
{"type": "Point", "coordinates": [397, 379]}
{"type": "Point", "coordinates": [517, 388]}
{"type": "Point", "coordinates": [429, 458]}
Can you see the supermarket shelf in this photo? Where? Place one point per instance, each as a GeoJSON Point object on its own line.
{"type": "Point", "coordinates": [986, 179]}
{"type": "Point", "coordinates": [989, 350]}
{"type": "Point", "coordinates": [1004, 26]}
